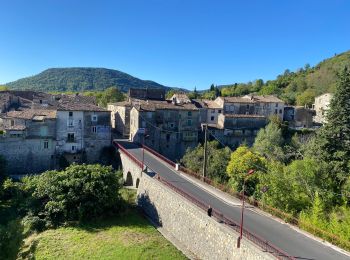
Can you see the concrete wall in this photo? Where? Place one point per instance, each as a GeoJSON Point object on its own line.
{"type": "Point", "coordinates": [200, 234]}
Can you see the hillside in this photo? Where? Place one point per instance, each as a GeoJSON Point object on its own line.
{"type": "Point", "coordinates": [81, 79]}
{"type": "Point", "coordinates": [298, 87]}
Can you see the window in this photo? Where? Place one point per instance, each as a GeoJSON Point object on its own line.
{"type": "Point", "coordinates": [276, 104]}
{"type": "Point", "coordinates": [248, 106]}
{"type": "Point", "coordinates": [213, 111]}
{"type": "Point", "coordinates": [275, 111]}
{"type": "Point", "coordinates": [189, 122]}
{"type": "Point", "coordinates": [280, 111]}
{"type": "Point", "coordinates": [73, 147]}
{"type": "Point", "coordinates": [167, 137]}
{"type": "Point", "coordinates": [12, 122]}
{"type": "Point", "coordinates": [189, 113]}
{"type": "Point", "coordinates": [46, 144]}
{"type": "Point", "coordinates": [94, 118]}
{"type": "Point", "coordinates": [40, 101]}
{"type": "Point", "coordinates": [70, 137]}
{"type": "Point", "coordinates": [70, 113]}
{"type": "Point", "coordinates": [219, 111]}
{"type": "Point", "coordinates": [212, 118]}
{"type": "Point", "coordinates": [94, 129]}
{"type": "Point", "coordinates": [70, 122]}
{"type": "Point", "coordinates": [171, 125]}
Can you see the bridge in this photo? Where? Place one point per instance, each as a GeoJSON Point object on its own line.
{"type": "Point", "coordinates": [275, 237]}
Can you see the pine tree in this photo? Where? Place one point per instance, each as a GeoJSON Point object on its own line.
{"type": "Point", "coordinates": [332, 142]}
{"type": "Point", "coordinates": [335, 135]}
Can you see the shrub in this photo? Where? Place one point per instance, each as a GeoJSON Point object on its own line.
{"type": "Point", "coordinates": [78, 193]}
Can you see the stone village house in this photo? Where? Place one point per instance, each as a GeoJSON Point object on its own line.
{"type": "Point", "coordinates": [38, 129]}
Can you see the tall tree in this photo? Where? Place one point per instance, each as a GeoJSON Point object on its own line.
{"type": "Point", "coordinates": [334, 138]}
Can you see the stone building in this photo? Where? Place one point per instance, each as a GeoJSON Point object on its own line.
{"type": "Point", "coordinates": [170, 128]}
{"type": "Point", "coordinates": [147, 93]}
{"type": "Point", "coordinates": [233, 129]}
{"type": "Point", "coordinates": [120, 117]}
{"type": "Point", "coordinates": [321, 107]}
{"type": "Point", "coordinates": [28, 143]}
{"type": "Point", "coordinates": [299, 117]}
{"type": "Point", "coordinates": [252, 105]}
{"type": "Point", "coordinates": [38, 129]}
{"type": "Point", "coordinates": [82, 130]}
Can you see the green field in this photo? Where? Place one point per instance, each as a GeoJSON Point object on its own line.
{"type": "Point", "coordinates": [126, 236]}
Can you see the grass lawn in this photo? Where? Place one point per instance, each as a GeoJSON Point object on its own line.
{"type": "Point", "coordinates": [129, 236]}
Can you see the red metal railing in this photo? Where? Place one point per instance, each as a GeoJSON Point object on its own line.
{"type": "Point", "coordinates": [276, 212]}
{"type": "Point", "coordinates": [159, 155]}
{"type": "Point", "coordinates": [219, 216]}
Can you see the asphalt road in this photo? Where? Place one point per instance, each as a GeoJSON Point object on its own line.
{"type": "Point", "coordinates": [281, 235]}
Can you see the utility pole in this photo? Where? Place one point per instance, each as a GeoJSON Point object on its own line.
{"type": "Point", "coordinates": [205, 151]}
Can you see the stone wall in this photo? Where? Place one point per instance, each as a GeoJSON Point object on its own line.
{"type": "Point", "coordinates": [26, 156]}
{"type": "Point", "coordinates": [200, 234]}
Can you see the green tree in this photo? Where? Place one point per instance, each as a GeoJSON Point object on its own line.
{"type": "Point", "coordinates": [269, 142]}
{"type": "Point", "coordinates": [242, 160]}
{"type": "Point", "coordinates": [77, 193]}
{"type": "Point", "coordinates": [217, 160]}
{"type": "Point", "coordinates": [332, 143]}
{"type": "Point", "coordinates": [306, 98]}
{"type": "Point", "coordinates": [2, 168]}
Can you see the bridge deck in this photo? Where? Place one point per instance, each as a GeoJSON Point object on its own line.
{"type": "Point", "coordinates": [281, 235]}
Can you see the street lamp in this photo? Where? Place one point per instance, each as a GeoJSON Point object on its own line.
{"type": "Point", "coordinates": [250, 172]}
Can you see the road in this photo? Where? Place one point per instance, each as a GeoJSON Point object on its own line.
{"type": "Point", "coordinates": [279, 234]}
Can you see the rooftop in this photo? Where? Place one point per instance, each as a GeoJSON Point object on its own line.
{"type": "Point", "coordinates": [32, 114]}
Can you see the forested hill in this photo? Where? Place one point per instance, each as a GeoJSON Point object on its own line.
{"type": "Point", "coordinates": [81, 79]}
{"type": "Point", "coordinates": [299, 87]}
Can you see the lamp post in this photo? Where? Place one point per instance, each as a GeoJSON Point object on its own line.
{"type": "Point", "coordinates": [242, 212]}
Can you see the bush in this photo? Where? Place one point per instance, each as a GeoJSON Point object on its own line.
{"type": "Point", "coordinates": [79, 192]}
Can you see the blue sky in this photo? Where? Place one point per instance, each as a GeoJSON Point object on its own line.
{"type": "Point", "coordinates": [179, 43]}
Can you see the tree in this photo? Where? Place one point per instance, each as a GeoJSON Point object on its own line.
{"type": "Point", "coordinates": [306, 98]}
{"type": "Point", "coordinates": [269, 142]}
{"type": "Point", "coordinates": [212, 87]}
{"type": "Point", "coordinates": [77, 193]}
{"type": "Point", "coordinates": [332, 143]}
{"type": "Point", "coordinates": [217, 160]}
{"type": "Point", "coordinates": [242, 160]}
{"type": "Point", "coordinates": [2, 168]}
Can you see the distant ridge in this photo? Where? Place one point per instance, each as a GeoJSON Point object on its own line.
{"type": "Point", "coordinates": [81, 79]}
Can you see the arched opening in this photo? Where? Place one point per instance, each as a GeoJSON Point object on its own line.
{"type": "Point", "coordinates": [128, 181]}
{"type": "Point", "coordinates": [137, 183]}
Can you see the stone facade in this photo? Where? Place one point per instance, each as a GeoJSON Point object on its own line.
{"type": "Point", "coordinates": [299, 117]}
{"type": "Point", "coordinates": [38, 129]}
{"type": "Point", "coordinates": [170, 130]}
{"type": "Point", "coordinates": [120, 117]}
{"type": "Point", "coordinates": [252, 105]}
{"type": "Point", "coordinates": [321, 107]}
{"type": "Point", "coordinates": [203, 236]}
{"type": "Point", "coordinates": [79, 131]}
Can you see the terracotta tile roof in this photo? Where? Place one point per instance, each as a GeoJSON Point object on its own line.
{"type": "Point", "coordinates": [253, 99]}
{"type": "Point", "coordinates": [66, 105]}
{"type": "Point", "coordinates": [211, 104]}
{"type": "Point", "coordinates": [152, 105]}
{"type": "Point", "coordinates": [31, 113]}
{"type": "Point", "coordinates": [237, 100]}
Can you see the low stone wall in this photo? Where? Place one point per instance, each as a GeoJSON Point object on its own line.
{"type": "Point", "coordinates": [190, 225]}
